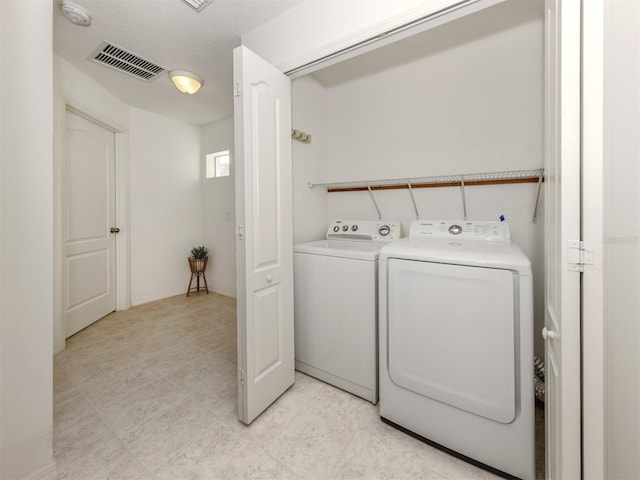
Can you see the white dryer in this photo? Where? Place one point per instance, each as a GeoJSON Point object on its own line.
{"type": "Point", "coordinates": [456, 342]}
{"type": "Point", "coordinates": [335, 304]}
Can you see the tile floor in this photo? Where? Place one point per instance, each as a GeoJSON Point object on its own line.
{"type": "Point", "coordinates": [150, 393]}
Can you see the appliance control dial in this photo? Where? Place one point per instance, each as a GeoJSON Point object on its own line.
{"type": "Point", "coordinates": [384, 230]}
{"type": "Point", "coordinates": [354, 228]}
{"type": "Point", "coordinates": [455, 229]}
{"type": "Point", "coordinates": [345, 228]}
{"type": "Point", "coordinates": [336, 228]}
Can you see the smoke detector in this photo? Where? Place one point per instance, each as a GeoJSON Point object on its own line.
{"type": "Point", "coordinates": [75, 14]}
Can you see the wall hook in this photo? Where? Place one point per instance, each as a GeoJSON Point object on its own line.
{"type": "Point", "coordinates": [300, 136]}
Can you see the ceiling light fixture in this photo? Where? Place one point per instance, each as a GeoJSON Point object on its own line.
{"type": "Point", "coordinates": [75, 14]}
{"type": "Point", "coordinates": [186, 82]}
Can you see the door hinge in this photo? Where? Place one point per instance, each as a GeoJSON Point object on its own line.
{"type": "Point", "coordinates": [242, 377]}
{"type": "Point", "coordinates": [578, 256]}
{"type": "Point", "coordinates": [239, 232]}
{"type": "Point", "coordinates": [238, 91]}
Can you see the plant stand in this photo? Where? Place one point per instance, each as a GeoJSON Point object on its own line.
{"type": "Point", "coordinates": [197, 266]}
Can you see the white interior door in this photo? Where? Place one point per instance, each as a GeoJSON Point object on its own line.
{"type": "Point", "coordinates": [265, 237]}
{"type": "Point", "coordinates": [562, 225]}
{"type": "Point", "coordinates": [89, 214]}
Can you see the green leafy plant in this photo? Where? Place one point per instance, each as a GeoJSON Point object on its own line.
{"type": "Point", "coordinates": [199, 252]}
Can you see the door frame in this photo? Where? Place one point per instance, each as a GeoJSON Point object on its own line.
{"type": "Point", "coordinates": [123, 287]}
{"type": "Point", "coordinates": [312, 59]}
{"type": "Point", "coordinates": [593, 331]}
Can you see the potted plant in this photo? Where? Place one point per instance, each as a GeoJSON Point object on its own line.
{"type": "Point", "coordinates": [198, 259]}
{"type": "Point", "coordinates": [197, 264]}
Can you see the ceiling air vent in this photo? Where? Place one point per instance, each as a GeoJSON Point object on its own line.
{"type": "Point", "coordinates": [198, 5]}
{"type": "Point", "coordinates": [124, 61]}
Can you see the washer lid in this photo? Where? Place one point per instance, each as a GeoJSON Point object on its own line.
{"type": "Point", "coordinates": [479, 253]}
{"type": "Point", "coordinates": [341, 248]}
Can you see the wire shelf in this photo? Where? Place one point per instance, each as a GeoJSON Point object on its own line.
{"type": "Point", "coordinates": [459, 180]}
{"type": "Point", "coordinates": [488, 178]}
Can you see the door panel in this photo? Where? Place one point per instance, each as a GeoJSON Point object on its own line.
{"type": "Point", "coordinates": [89, 256]}
{"type": "Point", "coordinates": [264, 164]}
{"type": "Point", "coordinates": [265, 236]}
{"type": "Point", "coordinates": [88, 277]}
{"type": "Point", "coordinates": [562, 224]}
{"type": "Point", "coordinates": [267, 333]}
{"type": "Point", "coordinates": [451, 335]}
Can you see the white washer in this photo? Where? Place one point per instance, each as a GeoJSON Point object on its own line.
{"type": "Point", "coordinates": [456, 342]}
{"type": "Point", "coordinates": [335, 304]}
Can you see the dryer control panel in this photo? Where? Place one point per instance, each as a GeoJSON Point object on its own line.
{"type": "Point", "coordinates": [366, 230]}
{"type": "Point", "coordinates": [462, 229]}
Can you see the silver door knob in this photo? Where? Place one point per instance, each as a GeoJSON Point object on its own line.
{"type": "Point", "coordinates": [549, 334]}
{"type": "Point", "coordinates": [115, 229]}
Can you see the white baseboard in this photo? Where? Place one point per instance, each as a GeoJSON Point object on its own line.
{"type": "Point", "coordinates": [173, 293]}
{"type": "Point", "coordinates": [224, 294]}
{"type": "Point", "coordinates": [50, 472]}
{"type": "Point", "coordinates": [157, 296]}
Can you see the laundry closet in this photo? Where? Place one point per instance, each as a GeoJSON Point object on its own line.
{"type": "Point", "coordinates": [466, 97]}
{"type": "Point", "coordinates": [463, 100]}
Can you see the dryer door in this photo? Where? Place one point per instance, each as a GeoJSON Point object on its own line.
{"type": "Point", "coordinates": [452, 332]}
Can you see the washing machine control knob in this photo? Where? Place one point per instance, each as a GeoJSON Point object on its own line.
{"type": "Point", "coordinates": [455, 229]}
{"type": "Point", "coordinates": [345, 228]}
{"type": "Point", "coordinates": [354, 228]}
{"type": "Point", "coordinates": [384, 230]}
{"type": "Point", "coordinates": [336, 228]}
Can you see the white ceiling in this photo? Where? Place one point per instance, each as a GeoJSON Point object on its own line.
{"type": "Point", "coordinates": [171, 34]}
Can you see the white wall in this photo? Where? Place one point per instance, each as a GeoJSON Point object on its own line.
{"type": "Point", "coordinates": [219, 212]}
{"type": "Point", "coordinates": [622, 238]}
{"type": "Point", "coordinates": [465, 97]}
{"type": "Point", "coordinates": [88, 96]}
{"type": "Point", "coordinates": [309, 114]}
{"type": "Point", "coordinates": [26, 235]}
{"type": "Point", "coordinates": [166, 204]}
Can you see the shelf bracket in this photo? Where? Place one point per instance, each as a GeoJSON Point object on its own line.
{"type": "Point", "coordinates": [535, 209]}
{"type": "Point", "coordinates": [374, 202]}
{"type": "Point", "coordinates": [413, 200]}
{"type": "Point", "coordinates": [464, 200]}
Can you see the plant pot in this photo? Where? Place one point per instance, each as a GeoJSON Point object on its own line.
{"type": "Point", "coordinates": [197, 265]}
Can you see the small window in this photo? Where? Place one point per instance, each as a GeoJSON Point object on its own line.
{"type": "Point", "coordinates": [217, 164]}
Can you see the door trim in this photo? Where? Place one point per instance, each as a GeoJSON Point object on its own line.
{"type": "Point", "coordinates": [593, 331]}
{"type": "Point", "coordinates": [416, 20]}
{"type": "Point", "coordinates": [123, 288]}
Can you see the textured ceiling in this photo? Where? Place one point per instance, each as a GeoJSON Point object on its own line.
{"type": "Point", "coordinates": [171, 34]}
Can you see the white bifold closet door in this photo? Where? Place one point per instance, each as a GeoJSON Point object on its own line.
{"type": "Point", "coordinates": [264, 233]}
